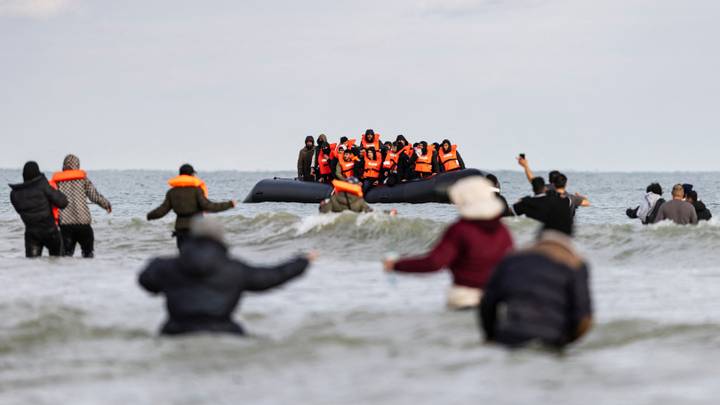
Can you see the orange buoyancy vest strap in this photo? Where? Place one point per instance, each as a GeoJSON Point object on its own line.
{"type": "Point", "coordinates": [68, 175]}
{"type": "Point", "coordinates": [449, 160]}
{"type": "Point", "coordinates": [184, 180]}
{"type": "Point", "coordinates": [345, 187]}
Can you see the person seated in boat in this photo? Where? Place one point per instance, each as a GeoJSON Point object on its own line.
{"type": "Point", "coordinates": [389, 170]}
{"type": "Point", "coordinates": [370, 139]}
{"type": "Point", "coordinates": [449, 158]}
{"type": "Point", "coordinates": [703, 213]}
{"type": "Point", "coordinates": [347, 195]}
{"type": "Point", "coordinates": [424, 162]}
{"type": "Point", "coordinates": [405, 152]}
{"type": "Point", "coordinates": [649, 205]}
{"type": "Point", "coordinates": [346, 166]}
{"type": "Point", "coordinates": [371, 164]}
{"type": "Point", "coordinates": [204, 283]}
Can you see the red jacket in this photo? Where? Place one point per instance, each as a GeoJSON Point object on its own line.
{"type": "Point", "coordinates": [470, 249]}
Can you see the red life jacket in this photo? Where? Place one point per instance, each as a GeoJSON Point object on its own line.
{"type": "Point", "coordinates": [184, 180]}
{"type": "Point", "coordinates": [372, 168]}
{"type": "Point", "coordinates": [324, 160]}
{"type": "Point", "coordinates": [423, 164]}
{"type": "Point", "coordinates": [449, 160]}
{"type": "Point", "coordinates": [59, 177]}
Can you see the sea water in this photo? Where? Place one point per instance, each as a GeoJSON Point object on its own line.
{"type": "Point", "coordinates": [76, 331]}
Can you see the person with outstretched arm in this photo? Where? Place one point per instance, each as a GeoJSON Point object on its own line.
{"type": "Point", "coordinates": [204, 284]}
{"type": "Point", "coordinates": [38, 203]}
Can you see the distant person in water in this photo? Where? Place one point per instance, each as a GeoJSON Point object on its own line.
{"type": "Point", "coordinates": [540, 294]}
{"type": "Point", "coordinates": [649, 206]}
{"type": "Point", "coordinates": [203, 285]}
{"type": "Point", "coordinates": [75, 219]}
{"type": "Point", "coordinates": [347, 195]}
{"type": "Point", "coordinates": [678, 210]}
{"type": "Point", "coordinates": [703, 213]}
{"type": "Point", "coordinates": [557, 182]}
{"type": "Point", "coordinates": [187, 197]}
{"type": "Point", "coordinates": [37, 203]}
{"type": "Point", "coordinates": [470, 248]}
{"type": "Point", "coordinates": [305, 160]}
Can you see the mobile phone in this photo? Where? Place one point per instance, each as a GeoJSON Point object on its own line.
{"type": "Point", "coordinates": [522, 156]}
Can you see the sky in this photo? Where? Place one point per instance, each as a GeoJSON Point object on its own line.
{"type": "Point", "coordinates": [611, 85]}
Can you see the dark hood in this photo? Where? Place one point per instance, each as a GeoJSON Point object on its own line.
{"type": "Point", "coordinates": [40, 179]}
{"type": "Point", "coordinates": [71, 162]}
{"type": "Point", "coordinates": [200, 257]}
{"type": "Point", "coordinates": [31, 170]}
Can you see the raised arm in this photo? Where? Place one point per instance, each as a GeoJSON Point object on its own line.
{"type": "Point", "coordinates": [97, 198]}
{"type": "Point", "coordinates": [265, 278]}
{"type": "Point", "coordinates": [441, 256]}
{"type": "Point", "coordinates": [210, 206]}
{"type": "Point", "coordinates": [526, 167]}
{"type": "Point", "coordinates": [160, 211]}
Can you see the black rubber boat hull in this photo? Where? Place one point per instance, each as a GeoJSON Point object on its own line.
{"type": "Point", "coordinates": [433, 190]}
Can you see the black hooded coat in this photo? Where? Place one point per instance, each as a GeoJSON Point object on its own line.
{"type": "Point", "coordinates": [34, 201]}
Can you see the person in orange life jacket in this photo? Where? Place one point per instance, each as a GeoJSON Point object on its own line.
{"type": "Point", "coordinates": [449, 158]}
{"type": "Point", "coordinates": [372, 165]}
{"type": "Point", "coordinates": [389, 173]}
{"type": "Point", "coordinates": [321, 140]}
{"type": "Point", "coordinates": [346, 166]}
{"type": "Point", "coordinates": [324, 170]}
{"type": "Point", "coordinates": [75, 220]}
{"type": "Point", "coordinates": [347, 195]}
{"type": "Point", "coordinates": [370, 139]}
{"type": "Point", "coordinates": [305, 160]}
{"type": "Point", "coordinates": [34, 200]}
{"type": "Point", "coordinates": [405, 152]}
{"type": "Point", "coordinates": [424, 161]}
{"type": "Point", "coordinates": [187, 197]}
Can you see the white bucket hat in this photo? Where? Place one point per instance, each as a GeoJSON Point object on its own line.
{"type": "Point", "coordinates": [475, 198]}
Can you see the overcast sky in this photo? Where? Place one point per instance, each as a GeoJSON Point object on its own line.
{"type": "Point", "coordinates": [575, 84]}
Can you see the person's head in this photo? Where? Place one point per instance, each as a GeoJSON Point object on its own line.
{"type": "Point", "coordinates": [654, 188]}
{"type": "Point", "coordinates": [343, 139]}
{"type": "Point", "coordinates": [476, 199]}
{"type": "Point", "coordinates": [494, 180]}
{"type": "Point", "coordinates": [678, 192]}
{"type": "Point", "coordinates": [322, 138]}
{"type": "Point", "coordinates": [446, 145]}
{"type": "Point", "coordinates": [388, 145]}
{"type": "Point", "coordinates": [552, 175]}
{"type": "Point", "coordinates": [538, 185]}
{"type": "Point", "coordinates": [436, 146]}
{"type": "Point", "coordinates": [187, 170]}
{"type": "Point", "coordinates": [71, 162]}
{"type": "Point", "coordinates": [403, 139]}
{"type": "Point", "coordinates": [326, 148]}
{"type": "Point", "coordinates": [560, 181]}
{"type": "Point", "coordinates": [309, 142]}
{"type": "Point", "coordinates": [31, 171]}
{"type": "Point", "coordinates": [371, 153]}
{"type": "Point", "coordinates": [347, 155]}
{"type": "Point", "coordinates": [205, 227]}
{"type": "Point", "coordinates": [369, 135]}
{"type": "Point", "coordinates": [691, 196]}
{"type": "Point", "coordinates": [687, 188]}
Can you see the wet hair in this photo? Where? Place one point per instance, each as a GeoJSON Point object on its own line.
{"type": "Point", "coordinates": [538, 185]}
{"type": "Point", "coordinates": [654, 188]}
{"type": "Point", "coordinates": [493, 179]}
{"type": "Point", "coordinates": [552, 175]}
{"type": "Point", "coordinates": [187, 170]}
{"type": "Point", "coordinates": [560, 181]}
{"type": "Point", "coordinates": [691, 195]}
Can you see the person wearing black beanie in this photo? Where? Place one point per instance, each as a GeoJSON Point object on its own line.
{"type": "Point", "coordinates": [37, 203]}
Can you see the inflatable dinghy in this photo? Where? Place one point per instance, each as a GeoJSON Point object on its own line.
{"type": "Point", "coordinates": [432, 190]}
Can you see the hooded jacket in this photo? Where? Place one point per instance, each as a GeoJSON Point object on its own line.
{"type": "Point", "coordinates": [305, 160]}
{"type": "Point", "coordinates": [78, 192]}
{"type": "Point", "coordinates": [204, 285]}
{"type": "Point", "coordinates": [703, 213]}
{"type": "Point", "coordinates": [340, 202]}
{"type": "Point", "coordinates": [34, 201]}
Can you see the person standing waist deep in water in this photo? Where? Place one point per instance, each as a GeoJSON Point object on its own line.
{"type": "Point", "coordinates": [35, 200]}
{"type": "Point", "coordinates": [75, 219]}
{"type": "Point", "coordinates": [187, 197]}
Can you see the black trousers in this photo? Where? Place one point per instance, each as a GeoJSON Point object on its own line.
{"type": "Point", "coordinates": [181, 236]}
{"type": "Point", "coordinates": [37, 239]}
{"type": "Point", "coordinates": [73, 235]}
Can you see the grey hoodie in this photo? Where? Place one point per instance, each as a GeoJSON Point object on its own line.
{"type": "Point", "coordinates": [78, 192]}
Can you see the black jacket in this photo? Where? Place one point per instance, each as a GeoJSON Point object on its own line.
{"type": "Point", "coordinates": [703, 213]}
{"type": "Point", "coordinates": [204, 285]}
{"type": "Point", "coordinates": [186, 202]}
{"type": "Point", "coordinates": [532, 296]}
{"type": "Point", "coordinates": [34, 201]}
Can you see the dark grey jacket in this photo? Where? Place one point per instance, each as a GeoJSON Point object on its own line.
{"type": "Point", "coordinates": [34, 201]}
{"type": "Point", "coordinates": [204, 285]}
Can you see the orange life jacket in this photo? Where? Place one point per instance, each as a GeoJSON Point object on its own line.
{"type": "Point", "coordinates": [347, 145]}
{"type": "Point", "coordinates": [423, 164]}
{"type": "Point", "coordinates": [184, 180]}
{"type": "Point", "coordinates": [347, 168]}
{"type": "Point", "coordinates": [324, 160]}
{"type": "Point", "coordinates": [375, 143]}
{"type": "Point", "coordinates": [391, 160]}
{"type": "Point", "coordinates": [449, 160]}
{"type": "Point", "coordinates": [408, 150]}
{"type": "Point", "coordinates": [372, 168]}
{"type": "Point", "coordinates": [345, 187]}
{"type": "Point", "coordinates": [59, 177]}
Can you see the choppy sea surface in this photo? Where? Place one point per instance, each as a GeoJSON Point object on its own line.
{"type": "Point", "coordinates": [76, 331]}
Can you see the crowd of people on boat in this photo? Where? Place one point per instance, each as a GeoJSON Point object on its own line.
{"type": "Point", "coordinates": [374, 161]}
